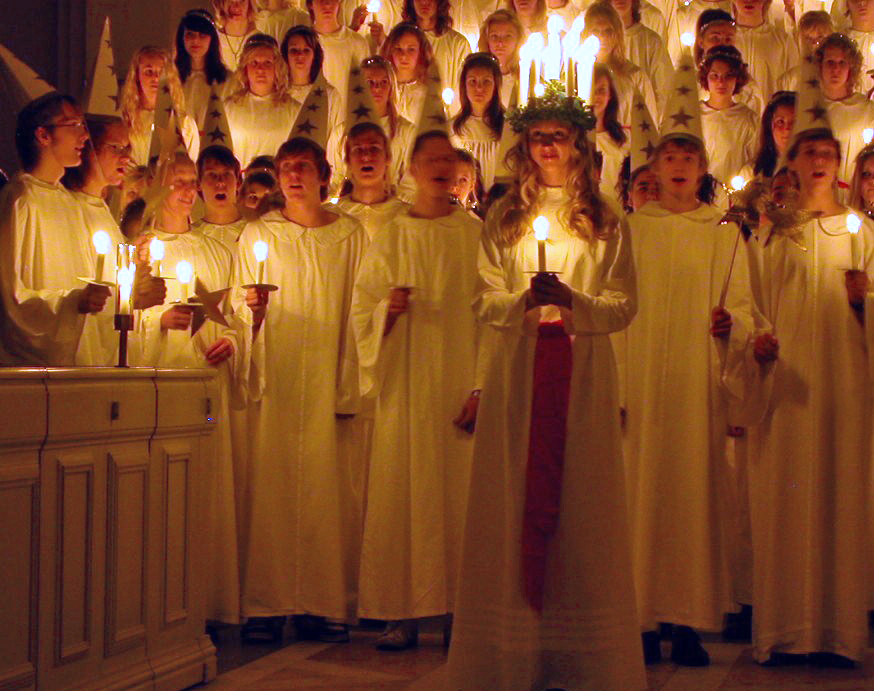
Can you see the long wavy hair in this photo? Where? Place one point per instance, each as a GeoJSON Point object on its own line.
{"type": "Point", "coordinates": [240, 83]}
{"type": "Point", "coordinates": [309, 35]}
{"type": "Point", "coordinates": [377, 62]}
{"type": "Point", "coordinates": [730, 56]}
{"type": "Point", "coordinates": [586, 213]}
{"type": "Point", "coordinates": [502, 15]}
{"type": "Point", "coordinates": [131, 93]}
{"type": "Point", "coordinates": [851, 51]}
{"type": "Point", "coordinates": [856, 200]}
{"type": "Point", "coordinates": [612, 125]}
{"type": "Point", "coordinates": [201, 22]}
{"type": "Point", "coordinates": [604, 10]}
{"type": "Point", "coordinates": [494, 115]}
{"type": "Point", "coordinates": [767, 155]}
{"type": "Point", "coordinates": [426, 54]}
{"type": "Point", "coordinates": [443, 21]}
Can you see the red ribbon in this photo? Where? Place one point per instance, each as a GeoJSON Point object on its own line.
{"type": "Point", "coordinates": [553, 363]}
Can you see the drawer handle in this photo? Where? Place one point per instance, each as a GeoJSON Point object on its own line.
{"type": "Point", "coordinates": [114, 410]}
{"type": "Point", "coordinates": [209, 408]}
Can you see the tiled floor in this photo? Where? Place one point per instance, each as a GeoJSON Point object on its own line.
{"type": "Point", "coordinates": [357, 666]}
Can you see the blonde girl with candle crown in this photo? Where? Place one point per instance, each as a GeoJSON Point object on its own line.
{"type": "Point", "coordinates": [502, 35]}
{"type": "Point", "coordinates": [541, 605]}
{"type": "Point", "coordinates": [138, 98]}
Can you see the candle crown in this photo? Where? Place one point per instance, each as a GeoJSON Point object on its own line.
{"type": "Point", "coordinates": [552, 105]}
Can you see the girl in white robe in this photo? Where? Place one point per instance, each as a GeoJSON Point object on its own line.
{"type": "Point", "coordinates": [138, 97]}
{"type": "Point", "coordinates": [729, 128]}
{"type": "Point", "coordinates": [611, 138]}
{"type": "Point", "coordinates": [259, 109]}
{"type": "Point", "coordinates": [502, 35]}
{"type": "Point", "coordinates": [199, 62]}
{"type": "Point", "coordinates": [302, 373]}
{"type": "Point", "coordinates": [568, 619]}
{"type": "Point", "coordinates": [810, 470]}
{"type": "Point", "coordinates": [775, 135]}
{"type": "Point", "coordinates": [408, 50]}
{"type": "Point", "coordinates": [604, 22]}
{"type": "Point", "coordinates": [477, 128]}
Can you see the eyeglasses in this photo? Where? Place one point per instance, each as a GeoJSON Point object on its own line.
{"type": "Point", "coordinates": [79, 125]}
{"type": "Point", "coordinates": [117, 150]}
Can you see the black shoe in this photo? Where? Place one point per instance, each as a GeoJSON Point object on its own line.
{"type": "Point", "coordinates": [830, 661]}
{"type": "Point", "coordinates": [263, 629]}
{"type": "Point", "coordinates": [307, 627]}
{"type": "Point", "coordinates": [739, 626]}
{"type": "Point", "coordinates": [652, 647]}
{"type": "Point", "coordinates": [686, 648]}
{"type": "Point", "coordinates": [785, 660]}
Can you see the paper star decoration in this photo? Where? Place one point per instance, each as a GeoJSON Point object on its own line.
{"type": "Point", "coordinates": [683, 90]}
{"type": "Point", "coordinates": [817, 112]}
{"type": "Point", "coordinates": [216, 134]}
{"type": "Point", "coordinates": [681, 118]}
{"type": "Point", "coordinates": [306, 127]}
{"type": "Point", "coordinates": [648, 149]}
{"type": "Point", "coordinates": [361, 111]}
{"type": "Point", "coordinates": [211, 302]}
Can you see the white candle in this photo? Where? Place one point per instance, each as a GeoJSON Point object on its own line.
{"type": "Point", "coordinates": [537, 46]}
{"type": "Point", "coordinates": [687, 38]}
{"type": "Point", "coordinates": [373, 7]}
{"type": "Point", "coordinates": [541, 234]}
{"type": "Point", "coordinates": [867, 135]}
{"type": "Point", "coordinates": [102, 245]}
{"type": "Point", "coordinates": [448, 96]}
{"type": "Point", "coordinates": [156, 254]}
{"type": "Point", "coordinates": [525, 58]}
{"type": "Point", "coordinates": [570, 43]}
{"type": "Point", "coordinates": [261, 250]}
{"type": "Point", "coordinates": [125, 288]}
{"type": "Point", "coordinates": [184, 274]}
{"type": "Point", "coordinates": [586, 55]}
{"type": "Point", "coordinates": [853, 225]}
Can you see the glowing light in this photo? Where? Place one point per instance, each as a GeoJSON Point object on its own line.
{"type": "Point", "coordinates": [448, 96]}
{"type": "Point", "coordinates": [687, 39]}
{"type": "Point", "coordinates": [853, 223]}
{"type": "Point", "coordinates": [184, 272]}
{"type": "Point", "coordinates": [539, 90]}
{"type": "Point", "coordinates": [868, 134]}
{"type": "Point", "coordinates": [374, 6]}
{"type": "Point", "coordinates": [102, 242]}
{"type": "Point", "coordinates": [156, 249]}
{"type": "Point", "coordinates": [541, 228]}
{"type": "Point", "coordinates": [261, 250]}
{"type": "Point", "coordinates": [738, 182]}
{"type": "Point", "coordinates": [555, 24]}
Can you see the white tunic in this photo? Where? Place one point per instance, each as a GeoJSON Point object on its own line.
{"type": "Point", "coordinates": [810, 468]}
{"type": "Point", "coordinates": [278, 23]}
{"type": "Point", "coordinates": [587, 637]}
{"type": "Point", "coordinates": [44, 247]}
{"type": "Point", "coordinates": [730, 138]}
{"type": "Point", "coordinates": [468, 16]}
{"type": "Point", "coordinates": [613, 155]}
{"type": "Point", "coordinates": [231, 48]}
{"type": "Point", "coordinates": [411, 99]}
{"type": "Point", "coordinates": [676, 407]}
{"type": "Point", "coordinates": [864, 40]}
{"type": "Point", "coordinates": [646, 49]}
{"type": "Point", "coordinates": [625, 83]}
{"type": "Point", "coordinates": [847, 119]}
{"type": "Point", "coordinates": [480, 140]}
{"type": "Point", "coordinates": [421, 374]}
{"type": "Point", "coordinates": [374, 217]}
{"type": "Point", "coordinates": [508, 82]}
{"type": "Point", "coordinates": [141, 137]}
{"type": "Point", "coordinates": [226, 233]}
{"type": "Point", "coordinates": [297, 557]}
{"type": "Point", "coordinates": [259, 124]}
{"type": "Point", "coordinates": [343, 48]}
{"type": "Point", "coordinates": [401, 146]}
{"type": "Point", "coordinates": [450, 49]}
{"type": "Point", "coordinates": [768, 51]}
{"type": "Point", "coordinates": [653, 18]}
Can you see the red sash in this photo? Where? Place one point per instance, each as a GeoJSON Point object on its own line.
{"type": "Point", "coordinates": [553, 363]}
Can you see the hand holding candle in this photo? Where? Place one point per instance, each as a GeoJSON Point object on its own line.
{"type": "Point", "coordinates": [184, 274]}
{"type": "Point", "coordinates": [102, 245]}
{"type": "Point", "coordinates": [261, 249]}
{"type": "Point", "coordinates": [156, 254]}
{"type": "Point", "coordinates": [374, 6]}
{"type": "Point", "coordinates": [541, 234]}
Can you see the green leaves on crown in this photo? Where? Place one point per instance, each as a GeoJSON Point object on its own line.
{"type": "Point", "coordinates": [553, 105]}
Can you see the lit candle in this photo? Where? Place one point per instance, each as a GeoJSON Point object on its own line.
{"type": "Point", "coordinates": [261, 250]}
{"type": "Point", "coordinates": [586, 55]}
{"type": "Point", "coordinates": [570, 43]}
{"type": "Point", "coordinates": [525, 59]}
{"type": "Point", "coordinates": [448, 96]}
{"type": "Point", "coordinates": [853, 225]}
{"type": "Point", "coordinates": [184, 274]}
{"type": "Point", "coordinates": [473, 40]}
{"type": "Point", "coordinates": [156, 254]}
{"type": "Point", "coordinates": [125, 288]}
{"type": "Point", "coordinates": [102, 244]}
{"type": "Point", "coordinates": [687, 38]}
{"type": "Point", "coordinates": [537, 46]}
{"type": "Point", "coordinates": [738, 183]}
{"type": "Point", "coordinates": [867, 135]}
{"type": "Point", "coordinates": [552, 54]}
{"type": "Point", "coordinates": [541, 234]}
{"type": "Point", "coordinates": [373, 7]}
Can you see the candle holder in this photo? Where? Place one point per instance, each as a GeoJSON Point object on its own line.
{"type": "Point", "coordinates": [123, 324]}
{"type": "Point", "coordinates": [269, 287]}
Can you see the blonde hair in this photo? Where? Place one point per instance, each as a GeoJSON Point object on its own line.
{"type": "Point", "coordinates": [585, 213]}
{"type": "Point", "coordinates": [377, 62]}
{"type": "Point", "coordinates": [604, 10]}
{"type": "Point", "coordinates": [539, 16]}
{"type": "Point", "coordinates": [281, 80]}
{"type": "Point", "coordinates": [218, 7]}
{"type": "Point", "coordinates": [130, 98]}
{"type": "Point", "coordinates": [509, 17]}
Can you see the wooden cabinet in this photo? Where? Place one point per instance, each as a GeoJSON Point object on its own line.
{"type": "Point", "coordinates": [99, 488]}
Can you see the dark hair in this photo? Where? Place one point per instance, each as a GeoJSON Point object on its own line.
{"type": "Point", "coordinates": [611, 112]}
{"type": "Point", "coordinates": [263, 161]}
{"type": "Point", "coordinates": [767, 155]}
{"type": "Point", "coordinates": [98, 125]}
{"type": "Point", "coordinates": [464, 156]}
{"type": "Point", "coordinates": [201, 22]}
{"type": "Point", "coordinates": [366, 128]}
{"type": "Point", "coordinates": [443, 22]}
{"type": "Point", "coordinates": [494, 115]}
{"type": "Point", "coordinates": [261, 178]}
{"type": "Point", "coordinates": [706, 191]}
{"type": "Point", "coordinates": [218, 154]}
{"type": "Point", "coordinates": [426, 54]}
{"type": "Point", "coordinates": [705, 19]}
{"type": "Point", "coordinates": [298, 146]}
{"type": "Point", "coordinates": [821, 135]}
{"type": "Point", "coordinates": [38, 113]}
{"type": "Point", "coordinates": [426, 137]}
{"type": "Point", "coordinates": [730, 56]}
{"type": "Point", "coordinates": [309, 35]}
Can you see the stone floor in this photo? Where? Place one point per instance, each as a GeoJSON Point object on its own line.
{"type": "Point", "coordinates": [357, 666]}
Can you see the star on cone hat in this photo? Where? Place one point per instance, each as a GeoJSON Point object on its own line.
{"type": "Point", "coordinates": [312, 118]}
{"type": "Point", "coordinates": [101, 96]}
{"type": "Point", "coordinates": [19, 84]}
{"type": "Point", "coordinates": [811, 114]}
{"type": "Point", "coordinates": [360, 107]}
{"type": "Point", "coordinates": [682, 119]}
{"type": "Point", "coordinates": [166, 137]}
{"type": "Point", "coordinates": [644, 134]}
{"type": "Point", "coordinates": [433, 116]}
{"type": "Point", "coordinates": [216, 131]}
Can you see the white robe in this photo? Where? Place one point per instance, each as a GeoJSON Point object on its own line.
{"type": "Point", "coordinates": [343, 48]}
{"type": "Point", "coordinates": [259, 124]}
{"type": "Point", "coordinates": [44, 248]}
{"type": "Point", "coordinates": [847, 119]}
{"type": "Point", "coordinates": [374, 217]}
{"type": "Point", "coordinates": [141, 137]}
{"type": "Point", "coordinates": [626, 83]}
{"type": "Point", "coordinates": [480, 140]}
{"type": "Point", "coordinates": [278, 23]}
{"type": "Point", "coordinates": [730, 138]}
{"type": "Point", "coordinates": [299, 551]}
{"type": "Point", "coordinates": [411, 99]}
{"type": "Point", "coordinates": [613, 155]}
{"type": "Point", "coordinates": [226, 233]}
{"type": "Point", "coordinates": [677, 412]}
{"type": "Point", "coordinates": [508, 82]}
{"type": "Point", "coordinates": [420, 374]}
{"type": "Point", "coordinates": [587, 637]}
{"type": "Point", "coordinates": [401, 145]}
{"type": "Point", "coordinates": [212, 263]}
{"type": "Point", "coordinates": [231, 48]}
{"type": "Point", "coordinates": [768, 51]}
{"type": "Point", "coordinates": [450, 50]}
{"type": "Point", "coordinates": [646, 49]}
{"type": "Point", "coordinates": [468, 15]}
{"type": "Point", "coordinates": [864, 40]}
{"type": "Point", "coordinates": [653, 18]}
{"type": "Point", "coordinates": [810, 468]}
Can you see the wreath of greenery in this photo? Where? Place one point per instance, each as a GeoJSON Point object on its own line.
{"type": "Point", "coordinates": [553, 105]}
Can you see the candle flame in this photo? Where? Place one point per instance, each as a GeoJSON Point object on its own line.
{"type": "Point", "coordinates": [539, 90]}
{"type": "Point", "coordinates": [687, 39]}
{"type": "Point", "coordinates": [555, 24]}
{"type": "Point", "coordinates": [590, 46]}
{"type": "Point", "coordinates": [738, 183]}
{"type": "Point", "coordinates": [184, 272]}
{"type": "Point", "coordinates": [261, 249]}
{"type": "Point", "coordinates": [868, 134]}
{"type": "Point", "coordinates": [102, 242]}
{"type": "Point", "coordinates": [374, 6]}
{"type": "Point", "coordinates": [536, 41]}
{"type": "Point", "coordinates": [156, 249]}
{"type": "Point", "coordinates": [448, 96]}
{"type": "Point", "coordinates": [853, 223]}
{"type": "Point", "coordinates": [473, 40]}
{"type": "Point", "coordinates": [541, 228]}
